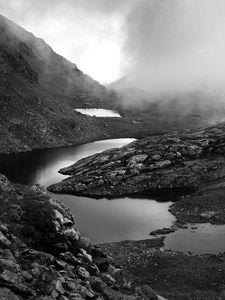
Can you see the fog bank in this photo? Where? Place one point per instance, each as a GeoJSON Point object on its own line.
{"type": "Point", "coordinates": [176, 46]}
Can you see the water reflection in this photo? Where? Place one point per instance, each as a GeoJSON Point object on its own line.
{"type": "Point", "coordinates": [102, 220]}
{"type": "Point", "coordinates": [41, 166]}
{"type": "Point", "coordinates": [119, 219]}
{"type": "Point", "coordinates": [109, 220]}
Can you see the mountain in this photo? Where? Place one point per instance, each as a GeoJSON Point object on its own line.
{"type": "Point", "coordinates": [39, 90]}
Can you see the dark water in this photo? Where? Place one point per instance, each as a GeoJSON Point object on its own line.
{"type": "Point", "coordinates": [109, 220]}
{"type": "Point", "coordinates": [101, 220]}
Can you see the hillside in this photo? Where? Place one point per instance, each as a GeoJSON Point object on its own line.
{"type": "Point", "coordinates": [38, 91]}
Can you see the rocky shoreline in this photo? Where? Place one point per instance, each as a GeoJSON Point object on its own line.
{"type": "Point", "coordinates": [180, 161]}
{"type": "Point", "coordinates": [44, 256]}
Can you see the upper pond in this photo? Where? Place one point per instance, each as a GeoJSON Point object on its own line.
{"type": "Point", "coordinates": [109, 220]}
{"type": "Point", "coordinates": [99, 112]}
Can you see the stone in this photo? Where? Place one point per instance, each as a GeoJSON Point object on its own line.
{"type": "Point", "coordinates": [59, 288]}
{"type": "Point", "coordinates": [86, 256]}
{"type": "Point", "coordinates": [84, 242]}
{"type": "Point", "coordinates": [83, 273]}
{"type": "Point", "coordinates": [27, 275]}
{"type": "Point", "coordinates": [9, 264]}
{"type": "Point", "coordinates": [4, 242]}
{"type": "Point", "coordinates": [71, 234]}
{"type": "Point", "coordinates": [3, 229]}
{"type": "Point", "coordinates": [6, 294]}
{"type": "Point", "coordinates": [162, 231]}
{"type": "Point", "coordinates": [156, 157]}
{"type": "Point", "coordinates": [108, 279]}
{"type": "Point", "coordinates": [13, 281]}
{"type": "Point", "coordinates": [67, 222]}
{"type": "Point", "coordinates": [59, 217]}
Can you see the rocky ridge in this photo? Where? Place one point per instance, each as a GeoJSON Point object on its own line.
{"type": "Point", "coordinates": [177, 161]}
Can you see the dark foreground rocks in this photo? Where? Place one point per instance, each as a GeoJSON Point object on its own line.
{"type": "Point", "coordinates": [43, 256]}
{"type": "Point", "coordinates": [178, 161]}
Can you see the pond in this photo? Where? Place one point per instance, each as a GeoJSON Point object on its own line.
{"type": "Point", "coordinates": [99, 112]}
{"type": "Point", "coordinates": [109, 220]}
{"type": "Point", "coordinates": [101, 220]}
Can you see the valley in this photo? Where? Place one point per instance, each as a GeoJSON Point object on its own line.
{"type": "Point", "coordinates": [141, 176]}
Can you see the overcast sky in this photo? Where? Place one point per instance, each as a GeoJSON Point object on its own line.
{"type": "Point", "coordinates": [161, 44]}
{"type": "Point", "coordinates": [87, 32]}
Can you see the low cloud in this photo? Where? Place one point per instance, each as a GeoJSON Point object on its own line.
{"type": "Point", "coordinates": [176, 46]}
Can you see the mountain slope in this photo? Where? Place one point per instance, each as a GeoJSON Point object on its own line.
{"type": "Point", "coordinates": [38, 91]}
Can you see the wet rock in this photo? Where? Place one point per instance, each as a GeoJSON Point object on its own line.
{"type": "Point", "coordinates": [162, 231]}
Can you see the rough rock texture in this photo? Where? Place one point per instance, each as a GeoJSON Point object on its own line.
{"type": "Point", "coordinates": [43, 255]}
{"type": "Point", "coordinates": [177, 161]}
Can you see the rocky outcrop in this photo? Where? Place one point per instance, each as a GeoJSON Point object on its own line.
{"type": "Point", "coordinates": [177, 161]}
{"type": "Point", "coordinates": [44, 256]}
